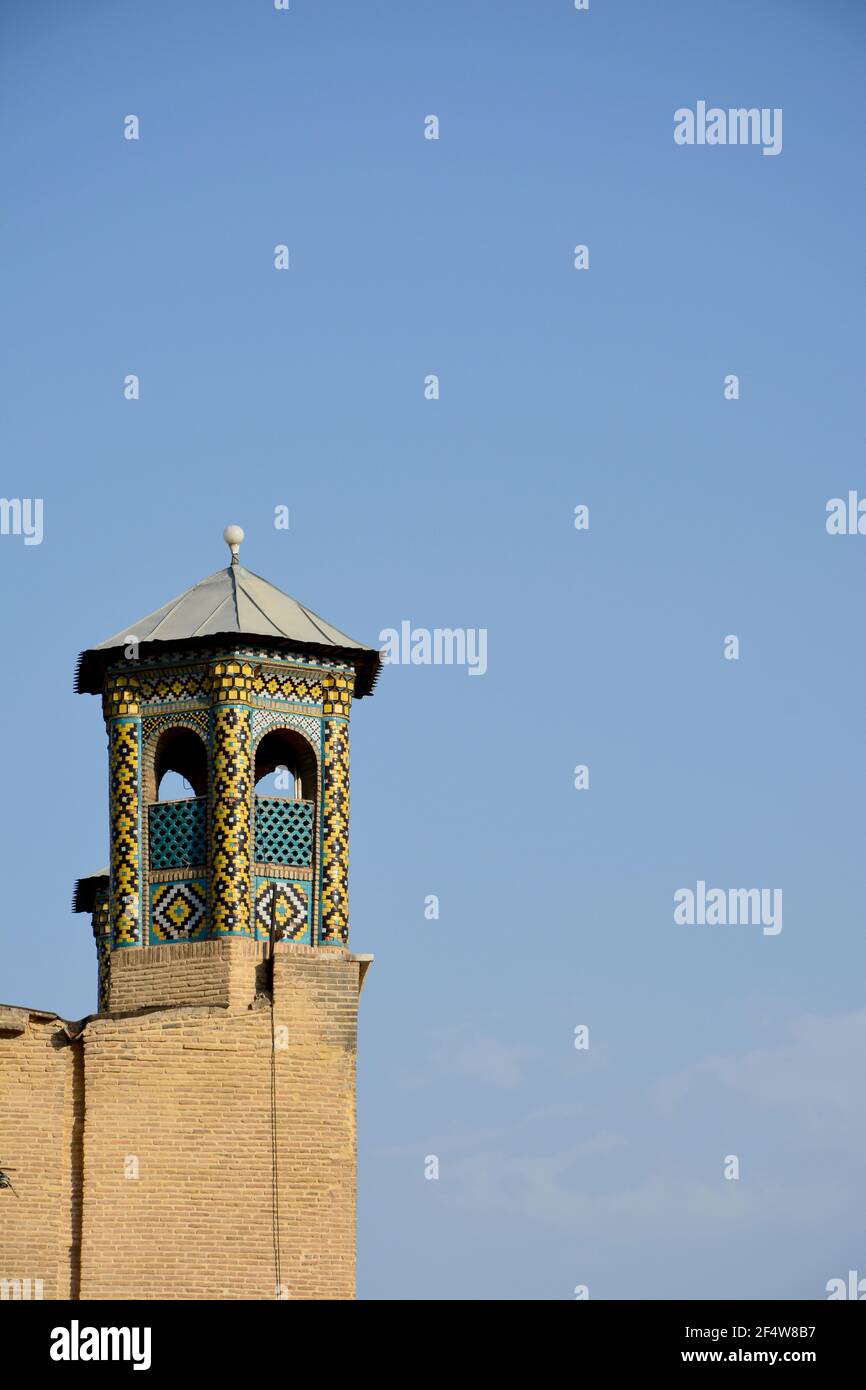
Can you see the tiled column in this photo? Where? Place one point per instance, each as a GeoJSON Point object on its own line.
{"type": "Point", "coordinates": [231, 783]}
{"type": "Point", "coordinates": [101, 923]}
{"type": "Point", "coordinates": [124, 745]}
{"type": "Point", "coordinates": [335, 813]}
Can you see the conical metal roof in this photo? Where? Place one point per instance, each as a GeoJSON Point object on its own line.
{"type": "Point", "coordinates": [230, 604]}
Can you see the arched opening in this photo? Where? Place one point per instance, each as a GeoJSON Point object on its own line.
{"type": "Point", "coordinates": [285, 800]}
{"type": "Point", "coordinates": [175, 789]}
{"type": "Point", "coordinates": [179, 766]}
{"type": "Point", "coordinates": [285, 766]}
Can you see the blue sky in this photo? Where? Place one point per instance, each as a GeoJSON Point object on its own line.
{"type": "Point", "coordinates": [305, 388]}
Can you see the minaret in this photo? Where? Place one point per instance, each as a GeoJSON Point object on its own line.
{"type": "Point", "coordinates": [224, 685]}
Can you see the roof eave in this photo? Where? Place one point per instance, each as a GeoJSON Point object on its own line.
{"type": "Point", "coordinates": [84, 894]}
{"type": "Point", "coordinates": [94, 662]}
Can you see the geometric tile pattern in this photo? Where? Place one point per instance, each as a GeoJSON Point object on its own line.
{"type": "Point", "coordinates": [284, 831]}
{"type": "Point", "coordinates": [288, 685]}
{"type": "Point", "coordinates": [182, 683]}
{"type": "Point", "coordinates": [125, 839]}
{"type": "Point", "coordinates": [310, 903]}
{"type": "Point", "coordinates": [263, 720]}
{"type": "Point", "coordinates": [100, 919]}
{"type": "Point", "coordinates": [230, 841]}
{"type": "Point", "coordinates": [176, 833]}
{"type": "Point", "coordinates": [338, 696]}
{"type": "Point", "coordinates": [121, 695]}
{"type": "Point", "coordinates": [103, 959]}
{"type": "Point", "coordinates": [178, 911]}
{"type": "Point", "coordinates": [101, 923]}
{"type": "Point", "coordinates": [335, 835]}
{"type": "Point", "coordinates": [288, 905]}
{"type": "Point", "coordinates": [153, 724]}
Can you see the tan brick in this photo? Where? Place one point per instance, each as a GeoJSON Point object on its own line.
{"type": "Point", "coordinates": [179, 1076]}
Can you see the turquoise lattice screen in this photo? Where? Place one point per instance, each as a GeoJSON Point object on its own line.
{"type": "Point", "coordinates": [284, 831]}
{"type": "Point", "coordinates": [176, 830]}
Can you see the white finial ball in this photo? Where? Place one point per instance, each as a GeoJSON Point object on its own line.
{"type": "Point", "coordinates": [233, 535]}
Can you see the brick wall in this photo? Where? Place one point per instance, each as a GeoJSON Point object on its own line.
{"type": "Point", "coordinates": [41, 1105]}
{"type": "Point", "coordinates": [196, 972]}
{"type": "Point", "coordinates": [181, 1096]}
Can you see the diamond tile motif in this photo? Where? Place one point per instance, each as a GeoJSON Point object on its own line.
{"type": "Point", "coordinates": [289, 904]}
{"type": "Point", "coordinates": [178, 911]}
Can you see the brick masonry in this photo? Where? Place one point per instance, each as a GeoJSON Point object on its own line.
{"type": "Point", "coordinates": [174, 1084]}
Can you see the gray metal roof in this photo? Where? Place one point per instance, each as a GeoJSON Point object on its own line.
{"type": "Point", "coordinates": [233, 603]}
{"type": "Point", "coordinates": [237, 601]}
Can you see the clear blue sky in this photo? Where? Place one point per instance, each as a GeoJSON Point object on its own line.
{"type": "Point", "coordinates": [304, 388]}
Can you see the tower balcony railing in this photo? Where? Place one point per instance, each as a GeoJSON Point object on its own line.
{"type": "Point", "coordinates": [176, 833]}
{"type": "Point", "coordinates": [284, 831]}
